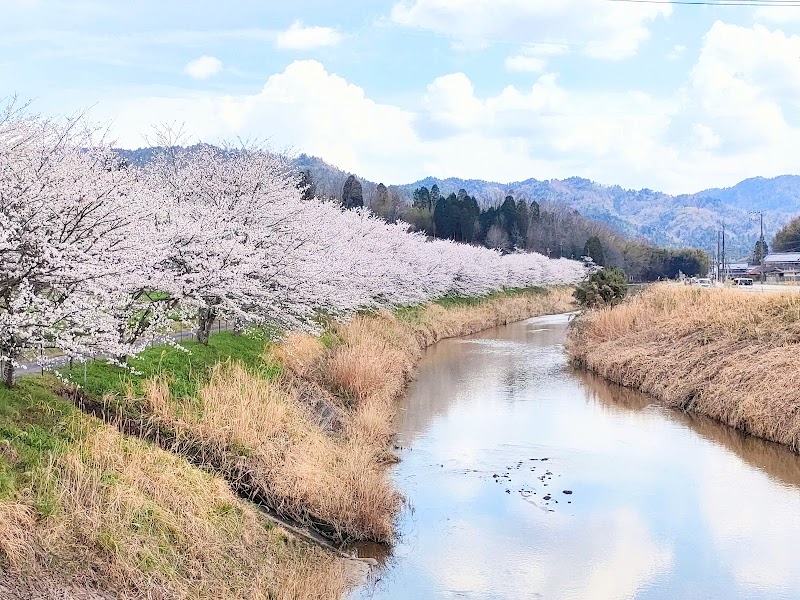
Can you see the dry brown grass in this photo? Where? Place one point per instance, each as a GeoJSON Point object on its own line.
{"type": "Point", "coordinates": [298, 352]}
{"type": "Point", "coordinates": [103, 514]}
{"type": "Point", "coordinates": [273, 438]}
{"type": "Point", "coordinates": [727, 354]}
{"type": "Point", "coordinates": [375, 355]}
{"type": "Point", "coordinates": [134, 521]}
{"type": "Point", "coordinates": [266, 443]}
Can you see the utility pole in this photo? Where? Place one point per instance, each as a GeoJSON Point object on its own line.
{"type": "Point", "coordinates": [717, 258]}
{"type": "Point", "coordinates": [724, 266]}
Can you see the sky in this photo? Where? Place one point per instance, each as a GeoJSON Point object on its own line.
{"type": "Point", "coordinates": [669, 97]}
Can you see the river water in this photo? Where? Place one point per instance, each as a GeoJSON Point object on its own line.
{"type": "Point", "coordinates": [498, 426]}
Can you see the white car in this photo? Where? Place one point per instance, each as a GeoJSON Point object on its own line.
{"type": "Point", "coordinates": [704, 282]}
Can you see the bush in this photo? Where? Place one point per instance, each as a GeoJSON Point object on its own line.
{"type": "Point", "coordinates": [606, 287]}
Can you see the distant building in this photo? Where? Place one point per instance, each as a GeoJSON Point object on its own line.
{"type": "Point", "coordinates": [737, 269]}
{"type": "Point", "coordinates": [783, 266]}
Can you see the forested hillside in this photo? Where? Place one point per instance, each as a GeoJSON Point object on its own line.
{"type": "Point", "coordinates": [691, 220]}
{"type": "Point", "coordinates": [687, 220]}
{"type": "Point", "coordinates": [684, 220]}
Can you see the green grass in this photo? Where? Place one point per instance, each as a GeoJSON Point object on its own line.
{"type": "Point", "coordinates": [457, 301]}
{"type": "Point", "coordinates": [413, 314]}
{"type": "Point", "coordinates": [35, 425]}
{"type": "Point", "coordinates": [186, 371]}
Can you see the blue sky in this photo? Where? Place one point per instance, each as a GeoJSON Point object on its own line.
{"type": "Point", "coordinates": [675, 98]}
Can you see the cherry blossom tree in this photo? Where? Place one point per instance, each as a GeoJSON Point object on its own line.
{"type": "Point", "coordinates": [68, 216]}
{"type": "Point", "coordinates": [234, 232]}
{"type": "Point", "coordinates": [96, 256]}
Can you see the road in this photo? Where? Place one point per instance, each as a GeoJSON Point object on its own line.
{"type": "Point", "coordinates": [765, 288]}
{"type": "Point", "coordinates": [29, 368]}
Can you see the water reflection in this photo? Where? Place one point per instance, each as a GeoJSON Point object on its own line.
{"type": "Point", "coordinates": [774, 459]}
{"type": "Point", "coordinates": [663, 505]}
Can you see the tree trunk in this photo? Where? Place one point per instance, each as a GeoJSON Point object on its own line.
{"type": "Point", "coordinates": [205, 319]}
{"type": "Point", "coordinates": [238, 326]}
{"type": "Point", "coordinates": [8, 373]}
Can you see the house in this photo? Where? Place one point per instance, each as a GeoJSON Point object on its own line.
{"type": "Point", "coordinates": [737, 269]}
{"type": "Point", "coordinates": [733, 269]}
{"type": "Point", "coordinates": [783, 266]}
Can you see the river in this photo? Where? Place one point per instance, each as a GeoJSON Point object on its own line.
{"type": "Point", "coordinates": [495, 431]}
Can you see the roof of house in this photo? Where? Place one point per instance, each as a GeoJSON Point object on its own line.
{"type": "Point", "coordinates": [782, 257]}
{"type": "Point", "coordinates": [766, 269]}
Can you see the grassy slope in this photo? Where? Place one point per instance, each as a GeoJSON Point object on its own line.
{"type": "Point", "coordinates": [84, 505]}
{"type": "Point", "coordinates": [186, 370]}
{"type": "Point", "coordinates": [309, 445]}
{"type": "Point", "coordinates": [727, 354]}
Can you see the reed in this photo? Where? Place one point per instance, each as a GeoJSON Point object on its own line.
{"type": "Point", "coordinates": [314, 442]}
{"type": "Point", "coordinates": [108, 515]}
{"type": "Point", "coordinates": [727, 354]}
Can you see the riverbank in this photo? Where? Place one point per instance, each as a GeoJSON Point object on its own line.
{"type": "Point", "coordinates": [725, 354]}
{"type": "Point", "coordinates": [154, 497]}
{"type": "Point", "coordinates": [88, 512]}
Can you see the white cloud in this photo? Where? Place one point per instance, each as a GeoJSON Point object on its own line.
{"type": "Point", "coordinates": [533, 58]}
{"type": "Point", "coordinates": [525, 64]}
{"type": "Point", "coordinates": [451, 102]}
{"type": "Point", "coordinates": [705, 137]}
{"type": "Point", "coordinates": [301, 37]}
{"type": "Point", "coordinates": [777, 14]}
{"type": "Point", "coordinates": [736, 116]}
{"type": "Point", "coordinates": [745, 85]}
{"type": "Point", "coordinates": [203, 67]}
{"type": "Point", "coordinates": [601, 29]}
{"type": "Point", "coordinates": [304, 108]}
{"type": "Point", "coordinates": [677, 52]}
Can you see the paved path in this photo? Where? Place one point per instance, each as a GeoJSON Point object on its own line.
{"type": "Point", "coordinates": [30, 368]}
{"type": "Point", "coordinates": [756, 288]}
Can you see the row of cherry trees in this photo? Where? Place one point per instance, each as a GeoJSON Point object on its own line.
{"type": "Point", "coordinates": [97, 256]}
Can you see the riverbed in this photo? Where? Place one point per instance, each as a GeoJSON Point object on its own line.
{"type": "Point", "coordinates": [527, 478]}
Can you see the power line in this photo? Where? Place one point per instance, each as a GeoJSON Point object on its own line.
{"type": "Point", "coordinates": [770, 3]}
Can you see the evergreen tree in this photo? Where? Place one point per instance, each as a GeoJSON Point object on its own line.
{"type": "Point", "coordinates": [788, 237]}
{"type": "Point", "coordinates": [306, 184]}
{"type": "Point", "coordinates": [468, 213]}
{"type": "Point", "coordinates": [422, 198]}
{"type": "Point", "coordinates": [382, 204]}
{"type": "Point", "coordinates": [485, 220]}
{"type": "Point", "coordinates": [522, 220]}
{"type": "Point", "coordinates": [352, 194]}
{"type": "Point", "coordinates": [441, 226]}
{"type": "Point", "coordinates": [435, 195]}
{"type": "Point", "coordinates": [760, 250]}
{"type": "Point", "coordinates": [594, 249]}
{"type": "Point", "coordinates": [607, 287]}
{"type": "Point", "coordinates": [534, 211]}
{"type": "Point", "coordinates": [508, 219]}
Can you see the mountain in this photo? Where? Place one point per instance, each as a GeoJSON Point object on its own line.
{"type": "Point", "coordinates": [664, 219]}
{"type": "Point", "coordinates": [682, 220]}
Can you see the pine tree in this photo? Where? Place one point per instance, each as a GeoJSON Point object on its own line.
{"type": "Point", "coordinates": [382, 204]}
{"type": "Point", "coordinates": [309, 190]}
{"type": "Point", "coordinates": [788, 237]}
{"type": "Point", "coordinates": [422, 198]}
{"type": "Point", "coordinates": [594, 249]}
{"type": "Point", "coordinates": [760, 250]}
{"type": "Point", "coordinates": [352, 194]}
{"type": "Point", "coordinates": [435, 195]}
